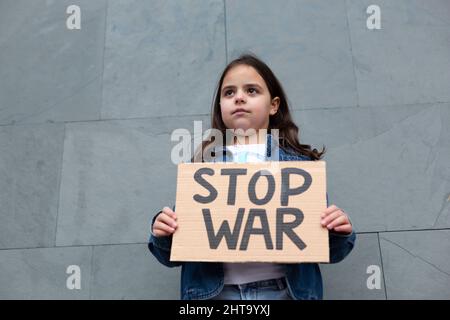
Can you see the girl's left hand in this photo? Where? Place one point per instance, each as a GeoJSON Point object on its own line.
{"type": "Point", "coordinates": [334, 219]}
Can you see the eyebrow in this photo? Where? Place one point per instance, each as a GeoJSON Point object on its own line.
{"type": "Point", "coordinates": [246, 85]}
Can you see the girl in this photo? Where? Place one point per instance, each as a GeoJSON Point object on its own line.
{"type": "Point", "coordinates": [249, 96]}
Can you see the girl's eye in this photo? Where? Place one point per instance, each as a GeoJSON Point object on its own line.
{"type": "Point", "coordinates": [227, 92]}
{"type": "Point", "coordinates": [252, 90]}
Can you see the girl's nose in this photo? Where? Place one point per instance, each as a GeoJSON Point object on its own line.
{"type": "Point", "coordinates": [239, 97]}
{"type": "Point", "coordinates": [239, 100]}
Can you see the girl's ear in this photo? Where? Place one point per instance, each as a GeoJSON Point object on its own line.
{"type": "Point", "coordinates": [274, 106]}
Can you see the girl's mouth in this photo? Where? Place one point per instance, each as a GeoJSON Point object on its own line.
{"type": "Point", "coordinates": [239, 111]}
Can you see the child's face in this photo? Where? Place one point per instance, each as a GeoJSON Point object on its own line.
{"type": "Point", "coordinates": [243, 88]}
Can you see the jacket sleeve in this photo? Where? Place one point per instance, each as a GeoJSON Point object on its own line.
{"type": "Point", "coordinates": [160, 247]}
{"type": "Point", "coordinates": [340, 244]}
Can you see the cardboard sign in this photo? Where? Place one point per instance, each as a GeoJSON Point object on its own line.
{"type": "Point", "coordinates": [242, 212]}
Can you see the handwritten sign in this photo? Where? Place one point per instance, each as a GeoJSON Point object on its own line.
{"type": "Point", "coordinates": [242, 212]}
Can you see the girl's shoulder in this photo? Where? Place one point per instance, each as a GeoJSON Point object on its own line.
{"type": "Point", "coordinates": [287, 154]}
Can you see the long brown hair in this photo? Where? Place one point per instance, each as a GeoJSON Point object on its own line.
{"type": "Point", "coordinates": [282, 120]}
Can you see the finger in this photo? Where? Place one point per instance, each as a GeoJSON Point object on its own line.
{"type": "Point", "coordinates": [163, 214]}
{"type": "Point", "coordinates": [329, 210]}
{"type": "Point", "coordinates": [163, 227]}
{"type": "Point", "coordinates": [164, 218]}
{"type": "Point", "coordinates": [331, 217]}
{"type": "Point", "coordinates": [159, 233]}
{"type": "Point", "coordinates": [169, 212]}
{"type": "Point", "coordinates": [346, 228]}
{"type": "Point", "coordinates": [342, 220]}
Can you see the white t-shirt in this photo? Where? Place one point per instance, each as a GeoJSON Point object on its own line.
{"type": "Point", "coordinates": [240, 273]}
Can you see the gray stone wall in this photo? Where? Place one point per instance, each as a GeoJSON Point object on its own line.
{"type": "Point", "coordinates": [86, 117]}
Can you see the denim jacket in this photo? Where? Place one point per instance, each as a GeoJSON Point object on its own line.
{"type": "Point", "coordinates": [204, 280]}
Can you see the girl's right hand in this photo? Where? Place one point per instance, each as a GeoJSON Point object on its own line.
{"type": "Point", "coordinates": [165, 223]}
